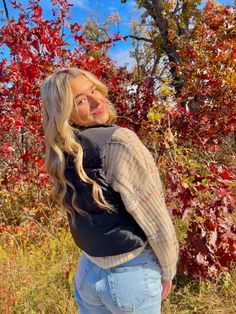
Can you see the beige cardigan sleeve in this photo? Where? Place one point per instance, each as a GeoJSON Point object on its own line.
{"type": "Point", "coordinates": [131, 170]}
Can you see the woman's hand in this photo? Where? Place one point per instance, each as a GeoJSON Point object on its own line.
{"type": "Point", "coordinates": [166, 289]}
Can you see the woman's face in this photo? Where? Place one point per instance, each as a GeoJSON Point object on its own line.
{"type": "Point", "coordinates": [90, 106]}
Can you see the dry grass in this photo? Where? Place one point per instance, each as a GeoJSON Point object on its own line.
{"type": "Point", "coordinates": [203, 298]}
{"type": "Point", "coordinates": [37, 278]}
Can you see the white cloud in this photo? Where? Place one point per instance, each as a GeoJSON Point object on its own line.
{"type": "Point", "coordinates": [83, 4]}
{"type": "Point", "coordinates": [122, 58]}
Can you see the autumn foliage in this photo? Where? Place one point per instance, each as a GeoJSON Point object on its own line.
{"type": "Point", "coordinates": [193, 140]}
{"type": "Point", "coordinates": [202, 183]}
{"type": "Point", "coordinates": [197, 143]}
{"type": "Point", "coordinates": [37, 46]}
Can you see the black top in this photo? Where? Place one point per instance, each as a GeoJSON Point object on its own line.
{"type": "Point", "coordinates": [105, 233]}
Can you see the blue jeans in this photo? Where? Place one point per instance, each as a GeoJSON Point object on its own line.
{"type": "Point", "coordinates": [131, 287]}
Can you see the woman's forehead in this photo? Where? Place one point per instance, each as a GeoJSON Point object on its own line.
{"type": "Point", "coordinates": [80, 84]}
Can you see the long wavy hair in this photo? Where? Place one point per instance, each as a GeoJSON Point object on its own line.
{"type": "Point", "coordinates": [58, 101]}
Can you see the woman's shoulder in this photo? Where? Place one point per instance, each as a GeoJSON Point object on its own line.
{"type": "Point", "coordinates": [125, 141]}
{"type": "Point", "coordinates": [96, 134]}
{"type": "Point", "coordinates": [125, 136]}
{"type": "Point", "coordinates": [110, 134]}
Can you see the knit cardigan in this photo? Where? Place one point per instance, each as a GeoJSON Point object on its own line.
{"type": "Point", "coordinates": [131, 170]}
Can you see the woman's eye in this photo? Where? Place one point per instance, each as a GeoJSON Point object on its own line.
{"type": "Point", "coordinates": [80, 102]}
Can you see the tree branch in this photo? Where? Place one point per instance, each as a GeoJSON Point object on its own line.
{"type": "Point", "coordinates": [6, 10]}
{"type": "Point", "coordinates": [129, 36]}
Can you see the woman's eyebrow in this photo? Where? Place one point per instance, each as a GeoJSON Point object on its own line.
{"type": "Point", "coordinates": [80, 94]}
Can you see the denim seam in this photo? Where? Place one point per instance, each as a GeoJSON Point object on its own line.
{"type": "Point", "coordinates": [88, 269]}
{"type": "Point", "coordinates": [112, 289]}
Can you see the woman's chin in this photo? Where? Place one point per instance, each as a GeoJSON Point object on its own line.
{"type": "Point", "coordinates": [101, 119]}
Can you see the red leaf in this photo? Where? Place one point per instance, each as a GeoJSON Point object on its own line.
{"type": "Point", "coordinates": [39, 164]}
{"type": "Point", "coordinates": [226, 175]}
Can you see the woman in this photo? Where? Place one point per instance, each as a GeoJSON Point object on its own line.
{"type": "Point", "coordinates": [107, 181]}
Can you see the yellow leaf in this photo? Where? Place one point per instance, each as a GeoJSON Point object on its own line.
{"type": "Point", "coordinates": [169, 135]}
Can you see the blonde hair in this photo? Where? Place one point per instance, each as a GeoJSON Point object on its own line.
{"type": "Point", "coordinates": [57, 101]}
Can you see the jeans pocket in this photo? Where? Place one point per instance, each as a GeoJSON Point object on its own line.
{"type": "Point", "coordinates": [129, 286]}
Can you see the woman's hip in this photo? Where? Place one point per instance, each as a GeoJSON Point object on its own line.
{"type": "Point", "coordinates": [132, 286]}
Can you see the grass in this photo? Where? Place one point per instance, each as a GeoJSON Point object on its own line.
{"type": "Point", "coordinates": [37, 277]}
{"type": "Point", "coordinates": [203, 298]}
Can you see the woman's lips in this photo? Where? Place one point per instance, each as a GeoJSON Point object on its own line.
{"type": "Point", "coordinates": [98, 112]}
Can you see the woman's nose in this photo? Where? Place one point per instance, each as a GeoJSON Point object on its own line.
{"type": "Point", "coordinates": [93, 100]}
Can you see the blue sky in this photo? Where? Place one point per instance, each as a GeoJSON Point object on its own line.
{"type": "Point", "coordinates": [83, 9]}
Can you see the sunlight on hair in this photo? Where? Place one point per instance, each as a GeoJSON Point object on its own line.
{"type": "Point", "coordinates": [58, 100]}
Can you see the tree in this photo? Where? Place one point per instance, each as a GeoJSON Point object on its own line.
{"type": "Point", "coordinates": [195, 148]}
{"type": "Point", "coordinates": [37, 46]}
{"type": "Point", "coordinates": [164, 24]}
{"type": "Point", "coordinates": [189, 146]}
{"type": "Point", "coordinates": [207, 68]}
